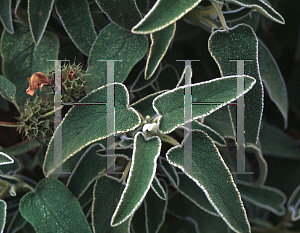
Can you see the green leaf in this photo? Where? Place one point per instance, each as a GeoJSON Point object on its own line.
{"type": "Point", "coordinates": [21, 148]}
{"type": "Point", "coordinates": [170, 171]}
{"type": "Point", "coordinates": [38, 15]}
{"type": "Point", "coordinates": [78, 131]}
{"type": "Point", "coordinates": [294, 204]}
{"type": "Point", "coordinates": [49, 213]}
{"type": "Point", "coordinates": [160, 42]}
{"type": "Point", "coordinates": [77, 23]}
{"type": "Point", "coordinates": [3, 207]}
{"type": "Point", "coordinates": [236, 15]}
{"type": "Point", "coordinates": [8, 91]}
{"type": "Point", "coordinates": [144, 105]}
{"type": "Point", "coordinates": [211, 174]}
{"type": "Point", "coordinates": [106, 195]}
{"type": "Point", "coordinates": [22, 58]}
{"type": "Point", "coordinates": [168, 78]}
{"type": "Point", "coordinates": [220, 121]}
{"type": "Point", "coordinates": [263, 196]}
{"type": "Point", "coordinates": [139, 220]}
{"type": "Point", "coordinates": [114, 43]}
{"type": "Point", "coordinates": [128, 13]}
{"type": "Point", "coordinates": [126, 141]}
{"type": "Point", "coordinates": [119, 152]}
{"type": "Point", "coordinates": [5, 16]}
{"type": "Point", "coordinates": [273, 80]}
{"type": "Point", "coordinates": [195, 194]}
{"type": "Point", "coordinates": [219, 91]}
{"type": "Point", "coordinates": [86, 171]}
{"type": "Point", "coordinates": [5, 159]}
{"type": "Point", "coordinates": [281, 145]}
{"type": "Point", "coordinates": [262, 7]}
{"type": "Point", "coordinates": [141, 175]}
{"type": "Point", "coordinates": [162, 14]}
{"type": "Point", "coordinates": [216, 137]}
{"type": "Point", "coordinates": [158, 189]}
{"type": "Point", "coordinates": [155, 210]}
{"type": "Point", "coordinates": [245, 47]}
{"type": "Point", "coordinates": [182, 207]}
{"type": "Point", "coordinates": [10, 168]}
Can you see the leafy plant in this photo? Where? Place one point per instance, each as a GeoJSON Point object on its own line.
{"type": "Point", "coordinates": [170, 141]}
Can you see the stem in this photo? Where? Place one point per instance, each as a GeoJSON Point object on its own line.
{"type": "Point", "coordinates": [50, 113]}
{"type": "Point", "coordinates": [168, 139]}
{"type": "Point", "coordinates": [125, 173]}
{"type": "Point", "coordinates": [220, 15]}
{"type": "Point", "coordinates": [8, 124]}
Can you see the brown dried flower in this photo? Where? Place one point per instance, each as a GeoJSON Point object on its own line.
{"type": "Point", "coordinates": [36, 81]}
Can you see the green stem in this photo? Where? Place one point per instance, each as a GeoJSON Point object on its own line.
{"type": "Point", "coordinates": [8, 124]}
{"type": "Point", "coordinates": [50, 113]}
{"type": "Point", "coordinates": [220, 15]}
{"type": "Point", "coordinates": [126, 171]}
{"type": "Point", "coordinates": [168, 139]}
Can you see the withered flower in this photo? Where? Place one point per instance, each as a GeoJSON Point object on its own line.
{"type": "Point", "coordinates": [36, 81]}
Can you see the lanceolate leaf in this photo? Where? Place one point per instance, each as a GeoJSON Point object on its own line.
{"type": "Point", "coordinates": [273, 80]}
{"type": "Point", "coordinates": [22, 58]}
{"type": "Point", "coordinates": [106, 195]}
{"type": "Point", "coordinates": [86, 171]}
{"type": "Point", "coordinates": [262, 7]}
{"type": "Point", "coordinates": [210, 132]}
{"type": "Point", "coordinates": [263, 196]}
{"type": "Point", "coordinates": [207, 97]}
{"type": "Point", "coordinates": [38, 15]}
{"type": "Point", "coordinates": [77, 20]}
{"type": "Point", "coordinates": [195, 194]}
{"type": "Point", "coordinates": [5, 159]}
{"type": "Point", "coordinates": [128, 14]}
{"type": "Point", "coordinates": [49, 213]}
{"type": "Point", "coordinates": [158, 189]}
{"type": "Point", "coordinates": [294, 204]}
{"type": "Point", "coordinates": [159, 46]}
{"type": "Point", "coordinates": [141, 175]}
{"type": "Point", "coordinates": [164, 13]}
{"type": "Point", "coordinates": [8, 91]}
{"type": "Point", "coordinates": [5, 15]}
{"type": "Point", "coordinates": [211, 174]}
{"type": "Point", "coordinates": [155, 210]}
{"type": "Point", "coordinates": [114, 43]}
{"type": "Point", "coordinates": [3, 207]}
{"type": "Point", "coordinates": [78, 131]}
{"type": "Point", "coordinates": [169, 171]}
{"type": "Point", "coordinates": [245, 43]}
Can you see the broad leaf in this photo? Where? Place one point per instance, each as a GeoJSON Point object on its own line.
{"type": "Point", "coordinates": [38, 15]}
{"type": "Point", "coordinates": [211, 174]}
{"type": "Point", "coordinates": [5, 159]}
{"type": "Point", "coordinates": [160, 42]}
{"type": "Point", "coordinates": [5, 16]}
{"type": "Point", "coordinates": [245, 48]}
{"type": "Point", "coordinates": [144, 105]}
{"type": "Point", "coordinates": [106, 195]}
{"type": "Point", "coordinates": [155, 210]}
{"type": "Point", "coordinates": [182, 207]}
{"type": "Point", "coordinates": [114, 43]}
{"type": "Point", "coordinates": [262, 7]}
{"type": "Point", "coordinates": [48, 213]}
{"type": "Point", "coordinates": [281, 145]}
{"type": "Point", "coordinates": [78, 131]}
{"type": "Point", "coordinates": [162, 14]}
{"type": "Point", "coordinates": [207, 97]}
{"type": "Point", "coordinates": [3, 207]}
{"type": "Point", "coordinates": [128, 14]}
{"type": "Point", "coordinates": [273, 80]}
{"type": "Point", "coordinates": [263, 196]}
{"type": "Point", "coordinates": [195, 194]}
{"type": "Point", "coordinates": [210, 132]}
{"type": "Point", "coordinates": [86, 171]}
{"type": "Point", "coordinates": [8, 91]}
{"type": "Point", "coordinates": [22, 58]}
{"type": "Point", "coordinates": [141, 175]}
{"type": "Point", "coordinates": [77, 23]}
{"type": "Point", "coordinates": [294, 204]}
{"type": "Point", "coordinates": [138, 223]}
